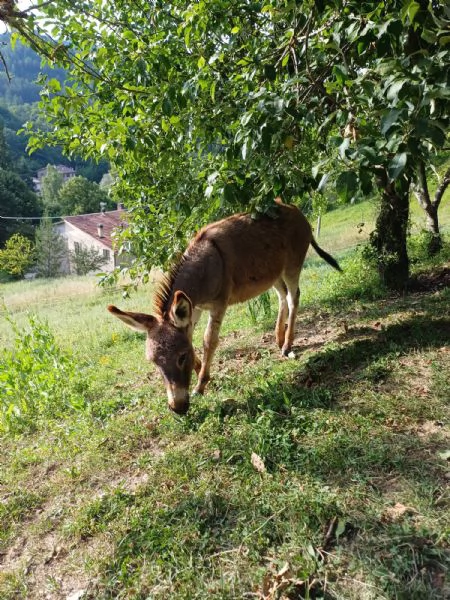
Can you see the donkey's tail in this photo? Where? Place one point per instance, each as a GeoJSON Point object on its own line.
{"type": "Point", "coordinates": [330, 260]}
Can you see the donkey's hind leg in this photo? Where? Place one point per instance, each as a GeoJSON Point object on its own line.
{"type": "Point", "coordinates": [280, 327]}
{"type": "Point", "coordinates": [293, 298]}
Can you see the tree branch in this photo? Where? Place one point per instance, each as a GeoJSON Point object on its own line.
{"type": "Point", "coordinates": [441, 189]}
{"type": "Point", "coordinates": [421, 188]}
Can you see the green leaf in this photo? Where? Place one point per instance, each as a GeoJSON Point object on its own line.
{"type": "Point", "coordinates": [409, 10]}
{"type": "Point", "coordinates": [270, 72]}
{"type": "Point", "coordinates": [394, 90]}
{"type": "Point", "coordinates": [229, 193]}
{"type": "Point", "coordinates": [397, 165]}
{"type": "Point", "coordinates": [390, 119]}
{"type": "Point", "coordinates": [266, 138]}
{"type": "Point", "coordinates": [212, 91]}
{"type": "Point", "coordinates": [347, 185]}
{"type": "Point", "coordinates": [167, 107]}
{"type": "Point", "coordinates": [341, 525]}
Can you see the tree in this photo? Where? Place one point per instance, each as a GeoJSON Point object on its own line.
{"type": "Point", "coordinates": [17, 205]}
{"type": "Point", "coordinates": [5, 158]}
{"type": "Point", "coordinates": [217, 106]}
{"type": "Point", "coordinates": [51, 249]}
{"type": "Point", "coordinates": [431, 205]}
{"type": "Point", "coordinates": [85, 260]}
{"type": "Point", "coordinates": [17, 256]}
{"type": "Point", "coordinates": [81, 196]}
{"type": "Point", "coordinates": [51, 185]}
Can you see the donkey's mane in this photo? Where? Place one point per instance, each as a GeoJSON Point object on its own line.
{"type": "Point", "coordinates": [164, 290]}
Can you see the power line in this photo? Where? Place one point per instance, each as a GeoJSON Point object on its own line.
{"type": "Point", "coordinates": [28, 218]}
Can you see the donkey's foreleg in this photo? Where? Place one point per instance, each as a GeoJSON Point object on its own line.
{"type": "Point", "coordinates": [210, 341]}
{"type": "Point", "coordinates": [196, 314]}
{"type": "Point", "coordinates": [280, 327]}
{"type": "Point", "coordinates": [293, 298]}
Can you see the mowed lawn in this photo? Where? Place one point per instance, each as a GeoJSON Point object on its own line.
{"type": "Point", "coordinates": [320, 476]}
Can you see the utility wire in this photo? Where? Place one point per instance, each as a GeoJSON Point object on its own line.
{"type": "Point", "coordinates": [29, 218]}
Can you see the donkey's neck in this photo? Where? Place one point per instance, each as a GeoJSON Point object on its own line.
{"type": "Point", "coordinates": [198, 274]}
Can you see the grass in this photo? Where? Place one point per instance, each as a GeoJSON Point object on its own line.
{"type": "Point", "coordinates": [348, 500]}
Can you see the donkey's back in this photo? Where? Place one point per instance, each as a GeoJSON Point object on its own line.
{"type": "Point", "coordinates": [251, 254]}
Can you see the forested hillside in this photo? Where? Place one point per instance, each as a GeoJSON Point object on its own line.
{"type": "Point", "coordinates": [19, 95]}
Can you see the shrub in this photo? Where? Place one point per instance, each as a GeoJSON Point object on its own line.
{"type": "Point", "coordinates": [359, 281]}
{"type": "Point", "coordinates": [37, 379]}
{"type": "Point", "coordinates": [17, 255]}
{"type": "Point", "coordinates": [85, 260]}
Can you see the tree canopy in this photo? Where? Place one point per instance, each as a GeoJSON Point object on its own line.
{"type": "Point", "coordinates": [16, 200]}
{"type": "Point", "coordinates": [78, 196]}
{"type": "Point", "coordinates": [208, 107]}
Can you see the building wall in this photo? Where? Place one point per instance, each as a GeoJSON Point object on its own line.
{"type": "Point", "coordinates": [74, 236]}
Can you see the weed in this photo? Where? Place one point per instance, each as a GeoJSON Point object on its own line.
{"type": "Point", "coordinates": [37, 379]}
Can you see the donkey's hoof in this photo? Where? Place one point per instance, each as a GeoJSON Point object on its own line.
{"type": "Point", "coordinates": [287, 353]}
{"type": "Point", "coordinates": [198, 392]}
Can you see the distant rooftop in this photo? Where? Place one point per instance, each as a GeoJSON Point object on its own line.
{"type": "Point", "coordinates": [89, 224]}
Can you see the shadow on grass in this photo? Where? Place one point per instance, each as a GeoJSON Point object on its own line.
{"type": "Point", "coordinates": [298, 424]}
{"type": "Point", "coordinates": [298, 428]}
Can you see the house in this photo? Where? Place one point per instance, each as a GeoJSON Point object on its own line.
{"type": "Point", "coordinates": [92, 230]}
{"type": "Point", "coordinates": [66, 172]}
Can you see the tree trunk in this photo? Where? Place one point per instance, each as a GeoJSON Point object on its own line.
{"type": "Point", "coordinates": [389, 238]}
{"type": "Point", "coordinates": [431, 207]}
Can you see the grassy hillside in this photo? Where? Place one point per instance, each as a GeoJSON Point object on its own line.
{"type": "Point", "coordinates": [321, 476]}
{"type": "Point", "coordinates": [350, 225]}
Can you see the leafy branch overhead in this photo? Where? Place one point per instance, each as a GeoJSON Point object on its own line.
{"type": "Point", "coordinates": [209, 107]}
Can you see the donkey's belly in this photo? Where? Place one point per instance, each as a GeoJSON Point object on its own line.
{"type": "Point", "coordinates": [249, 289]}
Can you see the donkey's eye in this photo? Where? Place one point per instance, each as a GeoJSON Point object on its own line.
{"type": "Point", "coordinates": [181, 360]}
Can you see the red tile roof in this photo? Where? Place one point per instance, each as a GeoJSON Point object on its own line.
{"type": "Point", "coordinates": [89, 224]}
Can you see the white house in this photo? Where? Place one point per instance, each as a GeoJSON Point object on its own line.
{"type": "Point", "coordinates": [66, 172]}
{"type": "Point", "coordinates": [92, 230]}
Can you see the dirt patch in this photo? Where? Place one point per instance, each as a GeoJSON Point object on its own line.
{"type": "Point", "coordinates": [431, 281]}
{"type": "Point", "coordinates": [54, 565]}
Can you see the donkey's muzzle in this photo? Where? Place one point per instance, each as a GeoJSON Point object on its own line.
{"type": "Point", "coordinates": [180, 409]}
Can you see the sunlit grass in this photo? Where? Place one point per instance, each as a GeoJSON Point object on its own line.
{"type": "Point", "coordinates": [125, 500]}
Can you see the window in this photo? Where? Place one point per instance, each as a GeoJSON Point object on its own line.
{"type": "Point", "coordinates": [106, 254]}
{"type": "Point", "coordinates": [77, 246]}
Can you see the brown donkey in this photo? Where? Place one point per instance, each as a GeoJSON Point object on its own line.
{"type": "Point", "coordinates": [227, 262]}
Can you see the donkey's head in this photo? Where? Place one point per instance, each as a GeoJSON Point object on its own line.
{"type": "Point", "coordinates": [169, 346]}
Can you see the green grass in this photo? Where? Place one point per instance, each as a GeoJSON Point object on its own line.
{"type": "Point", "coordinates": [121, 499]}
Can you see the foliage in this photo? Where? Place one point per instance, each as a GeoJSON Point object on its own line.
{"type": "Point", "coordinates": [85, 260]}
{"type": "Point", "coordinates": [37, 379]}
{"type": "Point", "coordinates": [79, 196]}
{"type": "Point", "coordinates": [51, 185]}
{"type": "Point", "coordinates": [16, 201]}
{"type": "Point", "coordinates": [5, 159]}
{"type": "Point", "coordinates": [18, 103]}
{"type": "Point", "coordinates": [358, 282]}
{"type": "Point", "coordinates": [216, 106]}
{"type": "Point", "coordinates": [51, 249]}
{"type": "Point", "coordinates": [17, 255]}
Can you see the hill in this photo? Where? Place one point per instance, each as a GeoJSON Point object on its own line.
{"type": "Point", "coordinates": [19, 95]}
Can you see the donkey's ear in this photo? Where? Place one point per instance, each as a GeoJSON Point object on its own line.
{"type": "Point", "coordinates": [137, 321]}
{"type": "Point", "coordinates": [181, 310]}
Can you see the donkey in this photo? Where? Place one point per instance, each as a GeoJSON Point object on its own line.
{"type": "Point", "coordinates": [229, 261]}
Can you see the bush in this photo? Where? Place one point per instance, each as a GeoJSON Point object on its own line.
{"type": "Point", "coordinates": [37, 379]}
{"type": "Point", "coordinates": [17, 255]}
{"type": "Point", "coordinates": [359, 281]}
{"type": "Point", "coordinates": [418, 246]}
{"type": "Point", "coordinates": [85, 260]}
